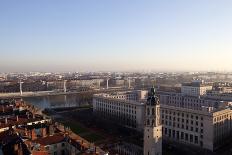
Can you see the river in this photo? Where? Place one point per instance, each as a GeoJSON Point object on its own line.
{"type": "Point", "coordinates": [59, 101]}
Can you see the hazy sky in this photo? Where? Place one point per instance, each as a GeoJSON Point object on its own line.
{"type": "Point", "coordinates": [89, 35]}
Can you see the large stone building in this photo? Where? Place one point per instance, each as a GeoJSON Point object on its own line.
{"type": "Point", "coordinates": [125, 107]}
{"type": "Point", "coordinates": [192, 120]}
{"type": "Point", "coordinates": [195, 89]}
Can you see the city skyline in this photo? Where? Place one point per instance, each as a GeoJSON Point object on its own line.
{"type": "Point", "coordinates": [115, 36]}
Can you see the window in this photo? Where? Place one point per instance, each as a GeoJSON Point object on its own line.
{"type": "Point", "coordinates": [191, 138]}
{"type": "Point", "coordinates": [148, 122]}
{"type": "Point", "coordinates": [201, 130]}
{"type": "Point", "coordinates": [186, 136]}
{"type": "Point", "coordinates": [191, 128]}
{"type": "Point", "coordinates": [177, 134]}
{"type": "Point", "coordinates": [165, 131]}
{"type": "Point", "coordinates": [153, 122]}
{"type": "Point", "coordinates": [182, 135]}
{"type": "Point", "coordinates": [196, 139]}
{"type": "Point", "coordinates": [173, 133]}
{"type": "Point", "coordinates": [148, 111]}
{"type": "Point", "coordinates": [169, 132]}
{"type": "Point", "coordinates": [55, 146]}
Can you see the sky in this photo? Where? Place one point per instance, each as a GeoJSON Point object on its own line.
{"type": "Point", "coordinates": [115, 35]}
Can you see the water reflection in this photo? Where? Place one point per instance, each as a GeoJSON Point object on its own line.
{"type": "Point", "coordinates": [58, 101]}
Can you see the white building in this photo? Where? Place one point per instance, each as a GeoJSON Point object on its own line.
{"type": "Point", "coordinates": [195, 89]}
{"type": "Point", "coordinates": [126, 107]}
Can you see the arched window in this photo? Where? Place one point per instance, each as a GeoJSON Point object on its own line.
{"type": "Point", "coordinates": [148, 122]}
{"type": "Point", "coordinates": [153, 111]}
{"type": "Point", "coordinates": [153, 122]}
{"type": "Point", "coordinates": [148, 111]}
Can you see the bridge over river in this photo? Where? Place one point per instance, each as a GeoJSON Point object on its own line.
{"type": "Point", "coordinates": [52, 93]}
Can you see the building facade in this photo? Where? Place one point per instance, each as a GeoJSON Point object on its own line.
{"type": "Point", "coordinates": [195, 89]}
{"type": "Point", "coordinates": [197, 121]}
{"type": "Point", "coordinates": [123, 107]}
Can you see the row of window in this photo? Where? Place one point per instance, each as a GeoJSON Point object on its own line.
{"type": "Point", "coordinates": [222, 118]}
{"type": "Point", "coordinates": [182, 136]}
{"type": "Point", "coordinates": [114, 108]}
{"type": "Point", "coordinates": [129, 112]}
{"type": "Point", "coordinates": [123, 119]}
{"type": "Point", "coordinates": [115, 104]}
{"type": "Point", "coordinates": [186, 121]}
{"type": "Point", "coordinates": [181, 114]}
{"type": "Point", "coordinates": [120, 115]}
{"type": "Point", "coordinates": [182, 126]}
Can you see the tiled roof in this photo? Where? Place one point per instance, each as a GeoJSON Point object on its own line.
{"type": "Point", "coordinates": [57, 138]}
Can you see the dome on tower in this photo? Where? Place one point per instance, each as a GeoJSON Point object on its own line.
{"type": "Point", "coordinates": [152, 98]}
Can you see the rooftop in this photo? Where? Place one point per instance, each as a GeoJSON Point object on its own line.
{"type": "Point", "coordinates": [49, 140]}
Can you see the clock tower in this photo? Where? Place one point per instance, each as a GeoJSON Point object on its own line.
{"type": "Point", "coordinates": [153, 128]}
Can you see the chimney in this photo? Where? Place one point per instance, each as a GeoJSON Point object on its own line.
{"type": "Point", "coordinates": [33, 134]}
{"type": "Point", "coordinates": [44, 132]}
{"type": "Point", "coordinates": [26, 132]}
{"type": "Point", "coordinates": [51, 130]}
{"type": "Point", "coordinates": [28, 116]}
{"type": "Point", "coordinates": [20, 149]}
{"type": "Point", "coordinates": [16, 147]}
